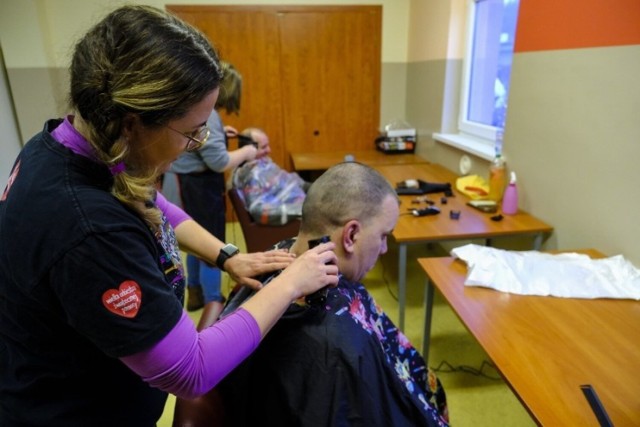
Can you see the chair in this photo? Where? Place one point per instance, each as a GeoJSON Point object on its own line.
{"type": "Point", "coordinates": [260, 237]}
{"type": "Point", "coordinates": [204, 411]}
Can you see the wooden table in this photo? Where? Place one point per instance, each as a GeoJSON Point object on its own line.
{"type": "Point", "coordinates": [324, 160]}
{"type": "Point", "coordinates": [472, 223]}
{"type": "Point", "coordinates": [547, 347]}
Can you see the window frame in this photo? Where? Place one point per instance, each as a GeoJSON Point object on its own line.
{"type": "Point", "coordinates": [472, 137]}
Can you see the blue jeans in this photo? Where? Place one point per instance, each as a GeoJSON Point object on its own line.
{"type": "Point", "coordinates": [201, 274]}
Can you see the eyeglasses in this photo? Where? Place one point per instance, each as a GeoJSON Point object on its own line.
{"type": "Point", "coordinates": [197, 138]}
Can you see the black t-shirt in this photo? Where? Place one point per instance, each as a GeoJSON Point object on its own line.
{"type": "Point", "coordinates": [83, 281]}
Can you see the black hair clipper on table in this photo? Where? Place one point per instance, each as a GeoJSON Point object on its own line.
{"type": "Point", "coordinates": [320, 296]}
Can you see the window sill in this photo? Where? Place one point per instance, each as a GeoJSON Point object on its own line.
{"type": "Point", "coordinates": [477, 147]}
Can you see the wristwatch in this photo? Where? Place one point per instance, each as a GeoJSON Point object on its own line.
{"type": "Point", "coordinates": [226, 252]}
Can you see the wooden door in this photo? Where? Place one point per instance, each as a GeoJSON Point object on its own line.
{"type": "Point", "coordinates": [311, 74]}
{"type": "Point", "coordinates": [330, 63]}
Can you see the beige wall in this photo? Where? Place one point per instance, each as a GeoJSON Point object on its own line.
{"type": "Point", "coordinates": [444, 25]}
{"type": "Point", "coordinates": [574, 139]}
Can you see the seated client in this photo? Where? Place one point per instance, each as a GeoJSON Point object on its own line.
{"type": "Point", "coordinates": [337, 359]}
{"type": "Point", "coordinates": [271, 195]}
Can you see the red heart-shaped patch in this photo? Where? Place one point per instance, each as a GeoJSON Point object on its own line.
{"type": "Point", "coordinates": [124, 301]}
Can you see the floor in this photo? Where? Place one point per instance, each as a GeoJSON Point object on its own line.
{"type": "Point", "coordinates": [477, 396]}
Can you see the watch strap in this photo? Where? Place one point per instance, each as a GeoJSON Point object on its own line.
{"type": "Point", "coordinates": [226, 252]}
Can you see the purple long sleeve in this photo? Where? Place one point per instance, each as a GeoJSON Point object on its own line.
{"type": "Point", "coordinates": [187, 363]}
{"type": "Point", "coordinates": [174, 214]}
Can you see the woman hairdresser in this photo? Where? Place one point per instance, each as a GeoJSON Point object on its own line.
{"type": "Point", "coordinates": [92, 329]}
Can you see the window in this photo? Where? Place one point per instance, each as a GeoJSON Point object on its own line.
{"type": "Point", "coordinates": [491, 27]}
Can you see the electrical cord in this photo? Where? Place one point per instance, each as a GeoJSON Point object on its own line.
{"type": "Point", "coordinates": [446, 367]}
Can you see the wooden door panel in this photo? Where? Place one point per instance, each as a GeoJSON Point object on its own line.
{"type": "Point", "coordinates": [334, 59]}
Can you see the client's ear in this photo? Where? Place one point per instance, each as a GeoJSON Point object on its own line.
{"type": "Point", "coordinates": [350, 234]}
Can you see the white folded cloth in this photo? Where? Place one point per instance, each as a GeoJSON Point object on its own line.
{"type": "Point", "coordinates": [569, 275]}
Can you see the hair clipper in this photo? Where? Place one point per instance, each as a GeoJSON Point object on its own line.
{"type": "Point", "coordinates": [320, 296]}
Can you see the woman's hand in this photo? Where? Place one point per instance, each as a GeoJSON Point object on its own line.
{"type": "Point", "coordinates": [243, 267]}
{"type": "Point", "coordinates": [311, 271]}
{"type": "Point", "coordinates": [230, 131]}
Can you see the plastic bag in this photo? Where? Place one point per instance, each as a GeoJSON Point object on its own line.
{"type": "Point", "coordinates": [272, 195]}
